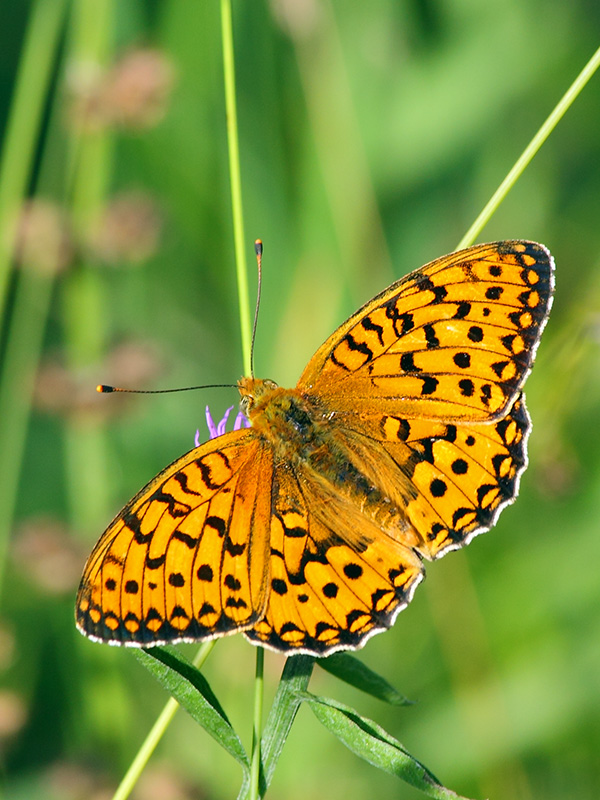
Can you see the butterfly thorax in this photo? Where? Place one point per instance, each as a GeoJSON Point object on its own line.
{"type": "Point", "coordinates": [304, 434]}
{"type": "Point", "coordinates": [296, 427]}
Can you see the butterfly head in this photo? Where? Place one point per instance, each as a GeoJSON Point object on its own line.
{"type": "Point", "coordinates": [252, 392]}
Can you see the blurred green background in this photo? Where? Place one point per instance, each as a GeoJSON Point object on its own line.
{"type": "Point", "coordinates": [371, 135]}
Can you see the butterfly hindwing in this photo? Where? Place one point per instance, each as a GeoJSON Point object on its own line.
{"type": "Point", "coordinates": [454, 340]}
{"type": "Point", "coordinates": [336, 577]}
{"type": "Point", "coordinates": [187, 558]}
{"type": "Point", "coordinates": [463, 474]}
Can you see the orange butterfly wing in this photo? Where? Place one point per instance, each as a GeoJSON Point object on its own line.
{"type": "Point", "coordinates": [187, 558]}
{"type": "Point", "coordinates": [453, 340]}
{"type": "Point", "coordinates": [336, 577]}
{"type": "Point", "coordinates": [462, 474]}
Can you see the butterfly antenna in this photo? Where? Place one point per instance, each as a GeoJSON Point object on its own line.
{"type": "Point", "coordinates": [104, 389]}
{"type": "Point", "coordinates": [258, 249]}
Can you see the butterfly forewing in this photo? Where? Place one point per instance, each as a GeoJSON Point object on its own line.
{"type": "Point", "coordinates": [454, 340]}
{"type": "Point", "coordinates": [187, 558]}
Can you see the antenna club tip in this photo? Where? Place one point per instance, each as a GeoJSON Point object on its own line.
{"type": "Point", "coordinates": [102, 389]}
{"type": "Point", "coordinates": [258, 247]}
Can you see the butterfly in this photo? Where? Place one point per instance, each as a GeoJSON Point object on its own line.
{"type": "Point", "coordinates": [404, 438]}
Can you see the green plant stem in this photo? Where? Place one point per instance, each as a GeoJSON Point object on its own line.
{"type": "Point", "coordinates": [163, 721]}
{"type": "Point", "coordinates": [244, 308]}
{"type": "Point", "coordinates": [236, 182]}
{"type": "Point", "coordinates": [35, 69]}
{"type": "Point", "coordinates": [532, 148]}
{"type": "Point", "coordinates": [257, 725]}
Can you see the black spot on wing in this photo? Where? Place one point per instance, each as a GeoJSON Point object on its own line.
{"type": "Point", "coordinates": [231, 582]}
{"type": "Point", "coordinates": [368, 325]}
{"type": "Point", "coordinates": [407, 363]}
{"type": "Point", "coordinates": [205, 573]}
{"type": "Point", "coordinates": [357, 347]}
{"type": "Point", "coordinates": [462, 311]}
{"type": "Point", "coordinates": [430, 337]}
{"type": "Point", "coordinates": [155, 563]}
{"type": "Point", "coordinates": [279, 586]}
{"type": "Point", "coordinates": [462, 360]}
{"type": "Point", "coordinates": [494, 292]}
{"type": "Point", "coordinates": [188, 540]}
{"type": "Point", "coordinates": [438, 487]}
{"type": "Point", "coordinates": [430, 384]}
{"type": "Point", "coordinates": [234, 549]}
{"type": "Point", "coordinates": [467, 387]}
{"type": "Point", "coordinates": [235, 602]}
{"type": "Point", "coordinates": [402, 323]}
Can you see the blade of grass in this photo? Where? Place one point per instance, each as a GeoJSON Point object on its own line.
{"type": "Point", "coordinates": [18, 152]}
{"type": "Point", "coordinates": [191, 690]}
{"type": "Point", "coordinates": [33, 291]}
{"type": "Point", "coordinates": [236, 181]}
{"type": "Point", "coordinates": [532, 148]}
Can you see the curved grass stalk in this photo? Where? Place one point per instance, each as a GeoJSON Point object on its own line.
{"type": "Point", "coordinates": [532, 148]}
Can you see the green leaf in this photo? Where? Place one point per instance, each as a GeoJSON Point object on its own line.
{"type": "Point", "coordinates": [191, 690]}
{"type": "Point", "coordinates": [350, 669]}
{"type": "Point", "coordinates": [294, 680]}
{"type": "Point", "coordinates": [369, 741]}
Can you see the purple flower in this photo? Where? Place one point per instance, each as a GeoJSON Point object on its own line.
{"type": "Point", "coordinates": [219, 429]}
